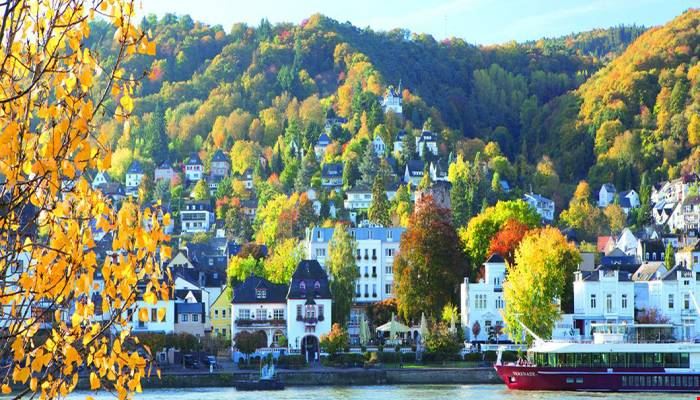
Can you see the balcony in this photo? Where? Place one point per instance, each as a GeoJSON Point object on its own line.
{"type": "Point", "coordinates": [260, 322]}
{"type": "Point", "coordinates": [310, 321]}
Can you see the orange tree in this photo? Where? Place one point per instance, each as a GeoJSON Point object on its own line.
{"type": "Point", "coordinates": [53, 90]}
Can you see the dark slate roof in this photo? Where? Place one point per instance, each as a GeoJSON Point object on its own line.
{"type": "Point", "coordinates": [623, 263]}
{"type": "Point", "coordinates": [625, 202]}
{"type": "Point", "coordinates": [332, 170]}
{"type": "Point", "coordinates": [245, 292]}
{"type": "Point", "coordinates": [194, 159]}
{"type": "Point", "coordinates": [112, 189]}
{"type": "Point", "coordinates": [135, 168]}
{"type": "Point", "coordinates": [415, 166]}
{"type": "Point", "coordinates": [181, 294]}
{"type": "Point", "coordinates": [189, 308]}
{"type": "Point", "coordinates": [652, 246]}
{"type": "Point", "coordinates": [195, 205]}
{"type": "Point", "coordinates": [309, 272]}
{"type": "Point", "coordinates": [165, 165]}
{"type": "Point", "coordinates": [219, 156]}
{"type": "Point", "coordinates": [610, 188]}
{"type": "Point", "coordinates": [622, 276]}
{"type": "Point", "coordinates": [671, 274]}
{"type": "Point", "coordinates": [323, 140]}
{"type": "Point", "coordinates": [427, 136]}
{"type": "Point", "coordinates": [495, 258]}
{"type": "Point", "coordinates": [400, 135]}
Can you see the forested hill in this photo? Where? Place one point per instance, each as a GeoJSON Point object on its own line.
{"type": "Point", "coordinates": [261, 88]}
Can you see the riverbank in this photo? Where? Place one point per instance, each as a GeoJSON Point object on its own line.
{"type": "Point", "coordinates": [329, 377]}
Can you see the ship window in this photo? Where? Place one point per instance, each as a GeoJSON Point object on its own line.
{"type": "Point", "coordinates": [571, 380]}
{"type": "Point", "coordinates": [579, 380]}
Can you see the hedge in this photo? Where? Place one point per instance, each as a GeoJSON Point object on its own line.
{"type": "Point", "coordinates": [344, 360]}
{"type": "Point", "coordinates": [291, 361]}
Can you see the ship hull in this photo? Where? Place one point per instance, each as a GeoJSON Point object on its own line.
{"type": "Point", "coordinates": [597, 380]}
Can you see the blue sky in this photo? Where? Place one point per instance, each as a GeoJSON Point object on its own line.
{"type": "Point", "coordinates": [477, 21]}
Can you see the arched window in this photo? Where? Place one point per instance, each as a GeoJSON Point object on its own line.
{"type": "Point", "coordinates": [302, 285]}
{"type": "Point", "coordinates": [317, 285]}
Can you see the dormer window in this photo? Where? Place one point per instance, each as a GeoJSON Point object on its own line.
{"type": "Point", "coordinates": [317, 285]}
{"type": "Point", "coordinates": [260, 293]}
{"type": "Point", "coordinates": [302, 285]}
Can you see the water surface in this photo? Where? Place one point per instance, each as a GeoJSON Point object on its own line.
{"type": "Point", "coordinates": [408, 392]}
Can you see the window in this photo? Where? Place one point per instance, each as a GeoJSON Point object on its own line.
{"type": "Point", "coordinates": [320, 311]}
{"type": "Point", "coordinates": [244, 313]}
{"type": "Point", "coordinates": [154, 314]}
{"type": "Point", "coordinates": [310, 311]}
{"type": "Point", "coordinates": [374, 271]}
{"type": "Point", "coordinates": [223, 331]}
{"type": "Point", "coordinates": [387, 288]}
{"type": "Point", "coordinates": [195, 317]}
{"type": "Point", "coordinates": [593, 301]}
{"type": "Point", "coordinates": [500, 303]}
{"type": "Point", "coordinates": [686, 301]}
{"type": "Point", "coordinates": [366, 290]}
{"type": "Point", "coordinates": [388, 269]}
{"type": "Point", "coordinates": [302, 285]}
{"type": "Point", "coordinates": [374, 290]}
{"type": "Point", "coordinates": [374, 254]}
{"type": "Point", "coordinates": [317, 285]}
{"type": "Point", "coordinates": [260, 293]}
{"type": "Point", "coordinates": [624, 301]}
{"type": "Point", "coordinates": [480, 301]}
{"type": "Point", "coordinates": [260, 313]}
{"type": "Point", "coordinates": [216, 314]}
{"type": "Point", "coordinates": [390, 236]}
{"type": "Point", "coordinates": [185, 317]}
{"type": "Point", "coordinates": [298, 311]}
{"type": "Point", "coordinates": [389, 252]}
{"type": "Point", "coordinates": [320, 252]}
{"type": "Point", "coordinates": [609, 303]}
{"type": "Point", "coordinates": [670, 302]}
{"type": "Point", "coordinates": [278, 313]}
{"type": "Point", "coordinates": [357, 290]}
{"type": "Point", "coordinates": [223, 313]}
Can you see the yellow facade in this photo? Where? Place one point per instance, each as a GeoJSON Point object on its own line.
{"type": "Point", "coordinates": [220, 315]}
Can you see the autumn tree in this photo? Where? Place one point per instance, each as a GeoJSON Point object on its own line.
{"type": "Point", "coordinates": [477, 235]}
{"type": "Point", "coordinates": [507, 239]}
{"type": "Point", "coordinates": [280, 265]}
{"type": "Point", "coordinates": [540, 278]}
{"type": "Point", "coordinates": [617, 219]}
{"type": "Point", "coordinates": [378, 212]}
{"type": "Point", "coordinates": [430, 263]}
{"type": "Point", "coordinates": [335, 341]}
{"type": "Point", "coordinates": [201, 191]}
{"type": "Point", "coordinates": [156, 138]}
{"type": "Point", "coordinates": [343, 272]}
{"type": "Point", "coordinates": [583, 216]}
{"type": "Point", "coordinates": [54, 89]}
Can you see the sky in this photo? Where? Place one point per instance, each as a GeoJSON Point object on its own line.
{"type": "Point", "coordinates": [476, 21]}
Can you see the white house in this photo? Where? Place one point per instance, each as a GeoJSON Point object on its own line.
{"type": "Point", "coordinates": [629, 200]}
{"type": "Point", "coordinates": [321, 144]}
{"type": "Point", "coordinates": [413, 173]}
{"type": "Point", "coordinates": [690, 211]}
{"type": "Point", "coordinates": [100, 178]}
{"type": "Point", "coordinates": [260, 305]}
{"type": "Point", "coordinates": [309, 305]}
{"type": "Point", "coordinates": [427, 140]}
{"type": "Point", "coordinates": [220, 166]}
{"type": "Point", "coordinates": [541, 204]}
{"type": "Point", "coordinates": [606, 195]}
{"type": "Point", "coordinates": [392, 100]}
{"type": "Point", "coordinates": [165, 324]}
{"type": "Point", "coordinates": [134, 175]}
{"type": "Point", "coordinates": [379, 146]}
{"type": "Point", "coordinates": [438, 171]}
{"type": "Point", "coordinates": [164, 172]}
{"type": "Point", "coordinates": [603, 295]}
{"type": "Point", "coordinates": [398, 143]}
{"type": "Point", "coordinates": [194, 168]}
{"type": "Point", "coordinates": [196, 216]}
{"type": "Point", "coordinates": [627, 242]}
{"type": "Point", "coordinates": [332, 175]}
{"type": "Point", "coordinates": [481, 303]}
{"type": "Point", "coordinates": [690, 257]}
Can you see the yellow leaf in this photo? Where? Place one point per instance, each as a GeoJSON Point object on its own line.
{"type": "Point", "coordinates": [143, 314]}
{"type": "Point", "coordinates": [94, 381]}
{"type": "Point", "coordinates": [7, 389]}
{"type": "Point", "coordinates": [127, 103]}
{"type": "Point", "coordinates": [20, 374]}
{"type": "Point", "coordinates": [161, 315]}
{"type": "Point", "coordinates": [150, 298]}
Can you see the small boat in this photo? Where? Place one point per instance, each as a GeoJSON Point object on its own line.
{"type": "Point", "coordinates": [268, 379]}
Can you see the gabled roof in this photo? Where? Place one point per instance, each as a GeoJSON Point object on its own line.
{"type": "Point", "coordinates": [323, 140]}
{"type": "Point", "coordinates": [625, 202]}
{"type": "Point", "coordinates": [415, 166]}
{"type": "Point", "coordinates": [245, 292]}
{"type": "Point", "coordinates": [672, 275]}
{"type": "Point", "coordinates": [332, 170]}
{"type": "Point", "coordinates": [181, 294]}
{"type": "Point", "coordinates": [603, 243]}
{"type": "Point", "coordinates": [165, 165]}
{"type": "Point", "coordinates": [194, 159]}
{"type": "Point", "coordinates": [537, 197]}
{"type": "Point", "coordinates": [427, 136]}
{"type": "Point", "coordinates": [648, 270]}
{"type": "Point", "coordinates": [309, 281]}
{"type": "Point", "coordinates": [495, 258]}
{"type": "Point", "coordinates": [400, 135]}
{"type": "Point", "coordinates": [609, 187]}
{"type": "Point", "coordinates": [627, 193]}
{"type": "Point", "coordinates": [112, 189]}
{"type": "Point", "coordinates": [135, 168]}
{"type": "Point", "coordinates": [219, 156]}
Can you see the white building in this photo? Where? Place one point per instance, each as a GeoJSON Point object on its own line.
{"type": "Point", "coordinates": [629, 200]}
{"type": "Point", "coordinates": [134, 175]}
{"type": "Point", "coordinates": [603, 295]}
{"type": "Point", "coordinates": [427, 140]}
{"type": "Point", "coordinates": [398, 143]}
{"type": "Point", "coordinates": [379, 146]}
{"type": "Point", "coordinates": [220, 166]}
{"type": "Point", "coordinates": [260, 305]}
{"type": "Point", "coordinates": [690, 211]}
{"type": "Point", "coordinates": [309, 305]}
{"type": "Point", "coordinates": [196, 216]}
{"type": "Point", "coordinates": [392, 100]}
{"type": "Point", "coordinates": [690, 257]}
{"type": "Point", "coordinates": [606, 195]}
{"type": "Point", "coordinates": [194, 168]}
{"type": "Point", "coordinates": [164, 172]}
{"type": "Point", "coordinates": [100, 178]}
{"type": "Point", "coordinates": [627, 242]}
{"type": "Point", "coordinates": [481, 303]}
{"type": "Point", "coordinates": [413, 173]}
{"type": "Point", "coordinates": [543, 205]}
{"type": "Point", "coordinates": [154, 323]}
{"type": "Point", "coordinates": [332, 175]}
{"type": "Point", "coordinates": [321, 144]}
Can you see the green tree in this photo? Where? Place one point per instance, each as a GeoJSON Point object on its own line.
{"type": "Point", "coordinates": [643, 213]}
{"type": "Point", "coordinates": [378, 212]}
{"type": "Point", "coordinates": [156, 137]}
{"type": "Point", "coordinates": [162, 191]}
{"type": "Point", "coordinates": [237, 225]}
{"type": "Point", "coordinates": [669, 256]}
{"type": "Point", "coordinates": [617, 219]}
{"type": "Point", "coordinates": [224, 189]}
{"type": "Point", "coordinates": [587, 219]}
{"type": "Point", "coordinates": [368, 165]}
{"type": "Point", "coordinates": [343, 271]}
{"type": "Point", "coordinates": [350, 173]}
{"type": "Point", "coordinates": [482, 228]}
{"type": "Point", "coordinates": [335, 341]}
{"type": "Point", "coordinates": [309, 166]}
{"type": "Point", "coordinates": [201, 191]}
{"type": "Point", "coordinates": [285, 257]}
{"type": "Point", "coordinates": [430, 264]}
{"type": "Point", "coordinates": [145, 190]}
{"type": "Point", "coordinates": [240, 268]}
{"type": "Point", "coordinates": [541, 277]}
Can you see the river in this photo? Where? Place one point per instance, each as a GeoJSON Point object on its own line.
{"type": "Point", "coordinates": [412, 392]}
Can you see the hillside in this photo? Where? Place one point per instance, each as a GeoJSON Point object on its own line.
{"type": "Point", "coordinates": [265, 87]}
{"type": "Point", "coordinates": [642, 108]}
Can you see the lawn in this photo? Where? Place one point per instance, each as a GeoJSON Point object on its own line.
{"type": "Point", "coordinates": [446, 364]}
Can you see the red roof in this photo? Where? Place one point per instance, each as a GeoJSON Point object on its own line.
{"type": "Point", "coordinates": [603, 243]}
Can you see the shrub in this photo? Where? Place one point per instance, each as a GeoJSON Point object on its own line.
{"type": "Point", "coordinates": [473, 357]}
{"type": "Point", "coordinates": [291, 361]}
{"type": "Point", "coordinates": [336, 340]}
{"type": "Point", "coordinates": [443, 343]}
{"type": "Point", "coordinates": [508, 356]}
{"type": "Point", "coordinates": [344, 360]}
